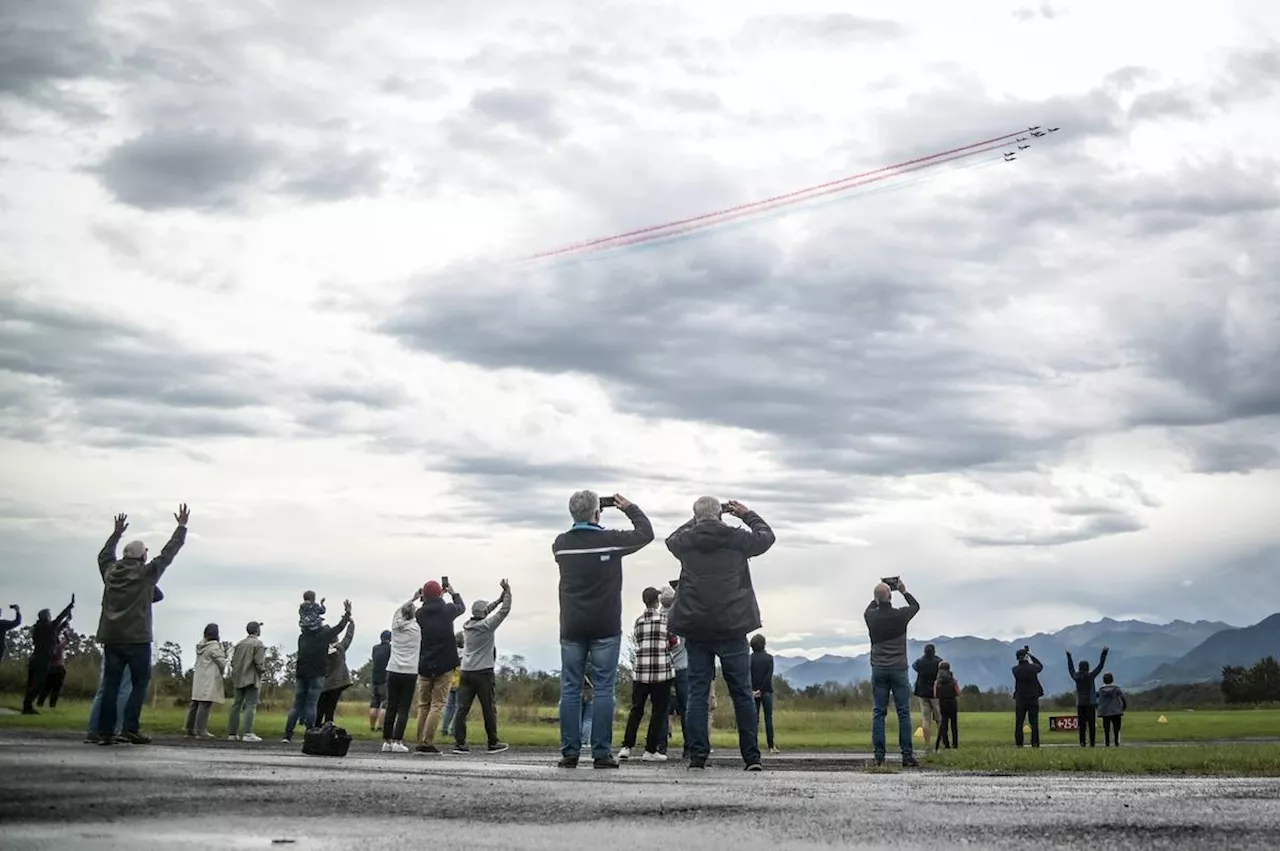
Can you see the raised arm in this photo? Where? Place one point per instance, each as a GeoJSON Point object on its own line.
{"type": "Point", "coordinates": [759, 539]}
{"type": "Point", "coordinates": [1102, 662]}
{"type": "Point", "coordinates": [346, 639]}
{"type": "Point", "coordinates": [627, 541]}
{"type": "Point", "coordinates": [1071, 666]}
{"type": "Point", "coordinates": [107, 556]}
{"type": "Point", "coordinates": [331, 634]}
{"type": "Point", "coordinates": [63, 616]}
{"type": "Point", "coordinates": [5, 626]}
{"type": "Point", "coordinates": [495, 617]}
{"type": "Point", "coordinates": [1036, 663]}
{"type": "Point", "coordinates": [160, 563]}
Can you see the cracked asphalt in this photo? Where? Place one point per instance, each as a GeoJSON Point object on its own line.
{"type": "Point", "coordinates": [56, 793]}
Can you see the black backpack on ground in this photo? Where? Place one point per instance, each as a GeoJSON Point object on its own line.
{"type": "Point", "coordinates": [327, 740]}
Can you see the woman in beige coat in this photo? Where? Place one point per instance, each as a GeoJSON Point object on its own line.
{"type": "Point", "coordinates": [206, 683]}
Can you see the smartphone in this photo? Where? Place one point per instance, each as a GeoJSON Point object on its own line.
{"type": "Point", "coordinates": [444, 582]}
{"type": "Point", "coordinates": [607, 502]}
{"type": "Point", "coordinates": [891, 581]}
{"type": "Point", "coordinates": [726, 508]}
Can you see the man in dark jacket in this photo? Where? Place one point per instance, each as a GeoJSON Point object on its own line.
{"type": "Point", "coordinates": [762, 687]}
{"type": "Point", "coordinates": [437, 659]}
{"type": "Point", "coordinates": [715, 609]}
{"type": "Point", "coordinates": [44, 640]}
{"type": "Point", "coordinates": [5, 626]}
{"type": "Point", "coordinates": [310, 671]}
{"type": "Point", "coordinates": [124, 629]}
{"type": "Point", "coordinates": [1027, 692]}
{"type": "Point", "coordinates": [589, 558]}
{"type": "Point", "coordinates": [1087, 695]}
{"type": "Point", "coordinates": [887, 627]}
{"type": "Point", "coordinates": [926, 668]}
{"type": "Point", "coordinates": [378, 681]}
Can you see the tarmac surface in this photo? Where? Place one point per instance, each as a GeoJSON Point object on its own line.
{"type": "Point", "coordinates": [56, 793]}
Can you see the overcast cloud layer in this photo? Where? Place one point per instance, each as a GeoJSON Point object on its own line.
{"type": "Point", "coordinates": [255, 257]}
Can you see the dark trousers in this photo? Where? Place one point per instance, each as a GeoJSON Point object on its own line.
{"type": "Point", "coordinates": [37, 674]}
{"type": "Point", "coordinates": [950, 712]}
{"type": "Point", "coordinates": [1087, 717]}
{"type": "Point", "coordinates": [764, 705]}
{"type": "Point", "coordinates": [52, 686]}
{"type": "Point", "coordinates": [1027, 712]}
{"type": "Point", "coordinates": [678, 701]}
{"type": "Point", "coordinates": [117, 658]}
{"type": "Point", "coordinates": [472, 686]}
{"type": "Point", "coordinates": [327, 708]}
{"type": "Point", "coordinates": [659, 694]}
{"type": "Point", "coordinates": [399, 699]}
{"type": "Point", "coordinates": [1109, 723]}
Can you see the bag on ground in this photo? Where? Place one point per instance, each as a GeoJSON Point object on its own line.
{"type": "Point", "coordinates": [326, 740]}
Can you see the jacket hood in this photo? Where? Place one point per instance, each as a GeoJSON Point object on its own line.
{"type": "Point", "coordinates": [206, 644]}
{"type": "Point", "coordinates": [709, 535]}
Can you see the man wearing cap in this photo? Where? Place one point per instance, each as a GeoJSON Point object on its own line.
{"type": "Point", "coordinates": [476, 682]}
{"type": "Point", "coordinates": [378, 681]}
{"type": "Point", "coordinates": [248, 663]}
{"type": "Point", "coordinates": [124, 628]}
{"type": "Point", "coordinates": [437, 657]}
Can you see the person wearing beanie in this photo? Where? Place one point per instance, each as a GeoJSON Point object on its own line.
{"type": "Point", "coordinates": [437, 657]}
{"type": "Point", "coordinates": [378, 681]}
{"type": "Point", "coordinates": [476, 680]}
{"type": "Point", "coordinates": [248, 664]}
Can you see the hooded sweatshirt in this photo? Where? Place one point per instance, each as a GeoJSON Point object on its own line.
{"type": "Point", "coordinates": [129, 588]}
{"type": "Point", "coordinates": [206, 679]}
{"type": "Point", "coordinates": [478, 650]}
{"type": "Point", "coordinates": [946, 690]}
{"type": "Point", "coordinates": [1111, 701]}
{"type": "Point", "coordinates": [926, 668]}
{"type": "Point", "coordinates": [715, 598]}
{"type": "Point", "coordinates": [406, 641]}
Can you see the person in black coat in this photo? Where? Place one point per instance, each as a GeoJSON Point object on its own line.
{"type": "Point", "coordinates": [926, 668]}
{"type": "Point", "coordinates": [1027, 692]}
{"type": "Point", "coordinates": [762, 687]}
{"type": "Point", "coordinates": [44, 641]}
{"type": "Point", "coordinates": [1087, 695]}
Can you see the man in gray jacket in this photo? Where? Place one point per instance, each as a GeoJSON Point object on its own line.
{"type": "Point", "coordinates": [479, 658]}
{"type": "Point", "coordinates": [889, 667]}
{"type": "Point", "coordinates": [248, 662]}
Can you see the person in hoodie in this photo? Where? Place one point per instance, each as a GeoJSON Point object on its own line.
{"type": "Point", "coordinates": [887, 627]}
{"type": "Point", "coordinates": [946, 691]}
{"type": "Point", "coordinates": [762, 687]}
{"type": "Point", "coordinates": [337, 677]}
{"type": "Point", "coordinates": [437, 658]}
{"type": "Point", "coordinates": [1087, 695]}
{"type": "Point", "coordinates": [310, 671]}
{"type": "Point", "coordinates": [124, 628]}
{"type": "Point", "coordinates": [476, 680]}
{"type": "Point", "coordinates": [122, 699]}
{"type": "Point", "coordinates": [378, 681]}
{"type": "Point", "coordinates": [402, 674]}
{"type": "Point", "coordinates": [714, 611]}
{"type": "Point", "coordinates": [589, 558]}
{"type": "Point", "coordinates": [926, 668]}
{"type": "Point", "coordinates": [44, 640]}
{"type": "Point", "coordinates": [206, 683]}
{"type": "Point", "coordinates": [1027, 692]}
{"type": "Point", "coordinates": [1112, 704]}
{"type": "Point", "coordinates": [248, 664]}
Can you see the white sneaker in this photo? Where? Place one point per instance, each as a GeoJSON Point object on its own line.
{"type": "Point", "coordinates": [625, 753]}
{"type": "Point", "coordinates": [398, 747]}
{"type": "Point", "coordinates": [386, 747]}
{"type": "Point", "coordinates": [653, 757]}
{"type": "Point", "coordinates": [250, 737]}
{"type": "Point", "coordinates": [233, 738]}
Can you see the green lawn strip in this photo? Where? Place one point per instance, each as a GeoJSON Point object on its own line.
{"type": "Point", "coordinates": [1256, 759]}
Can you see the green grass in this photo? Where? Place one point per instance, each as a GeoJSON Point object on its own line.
{"type": "Point", "coordinates": [1254, 759]}
{"type": "Point", "coordinates": [835, 730]}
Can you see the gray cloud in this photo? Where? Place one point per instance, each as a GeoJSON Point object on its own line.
{"type": "Point", "coordinates": [836, 30]}
{"type": "Point", "coordinates": [1094, 523]}
{"type": "Point", "coordinates": [48, 44]}
{"type": "Point", "coordinates": [530, 111]}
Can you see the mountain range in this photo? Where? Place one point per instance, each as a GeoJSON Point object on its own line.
{"type": "Point", "coordinates": [1142, 654]}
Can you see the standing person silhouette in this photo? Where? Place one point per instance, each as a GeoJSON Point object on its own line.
{"type": "Point", "coordinates": [1087, 695]}
{"type": "Point", "coordinates": [1027, 692]}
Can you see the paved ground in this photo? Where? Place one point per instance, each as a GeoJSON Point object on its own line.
{"type": "Point", "coordinates": [56, 793]}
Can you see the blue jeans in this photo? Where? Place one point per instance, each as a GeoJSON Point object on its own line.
{"type": "Point", "coordinates": [679, 703]}
{"type": "Point", "coordinates": [126, 689]}
{"type": "Point", "coordinates": [306, 697]}
{"type": "Point", "coordinates": [450, 709]}
{"type": "Point", "coordinates": [246, 702]}
{"type": "Point", "coordinates": [735, 665]}
{"type": "Point", "coordinates": [884, 681]}
{"type": "Point", "coordinates": [586, 719]}
{"type": "Point", "coordinates": [599, 657]}
{"type": "Point", "coordinates": [116, 659]}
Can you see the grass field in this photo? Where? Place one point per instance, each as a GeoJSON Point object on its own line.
{"type": "Point", "coordinates": [980, 733]}
{"type": "Point", "coordinates": [1255, 759]}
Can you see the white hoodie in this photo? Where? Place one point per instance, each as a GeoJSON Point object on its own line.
{"type": "Point", "coordinates": [406, 641]}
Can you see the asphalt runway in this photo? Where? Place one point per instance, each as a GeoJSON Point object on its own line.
{"type": "Point", "coordinates": [56, 793]}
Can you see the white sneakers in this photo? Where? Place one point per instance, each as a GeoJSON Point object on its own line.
{"type": "Point", "coordinates": [233, 738]}
{"type": "Point", "coordinates": [625, 753]}
{"type": "Point", "coordinates": [394, 747]}
{"type": "Point", "coordinates": [653, 757]}
{"type": "Point", "coordinates": [250, 737]}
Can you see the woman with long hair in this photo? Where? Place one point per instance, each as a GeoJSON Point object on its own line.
{"type": "Point", "coordinates": [206, 683]}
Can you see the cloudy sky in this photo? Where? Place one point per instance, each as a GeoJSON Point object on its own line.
{"type": "Point", "coordinates": [255, 256]}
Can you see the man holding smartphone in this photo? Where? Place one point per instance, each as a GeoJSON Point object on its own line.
{"type": "Point", "coordinates": [889, 666]}
{"type": "Point", "coordinates": [437, 658]}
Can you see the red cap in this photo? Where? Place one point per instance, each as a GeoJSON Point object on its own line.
{"type": "Point", "coordinates": [432, 589]}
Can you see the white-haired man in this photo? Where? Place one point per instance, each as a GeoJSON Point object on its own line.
{"type": "Point", "coordinates": [887, 627]}
{"type": "Point", "coordinates": [589, 557]}
{"type": "Point", "coordinates": [715, 610]}
{"type": "Point", "coordinates": [124, 629]}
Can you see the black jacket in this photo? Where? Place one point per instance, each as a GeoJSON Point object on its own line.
{"type": "Point", "coordinates": [761, 671]}
{"type": "Point", "coordinates": [5, 626]}
{"type": "Point", "coordinates": [313, 649]}
{"type": "Point", "coordinates": [381, 656]}
{"type": "Point", "coordinates": [887, 627]}
{"type": "Point", "coordinates": [715, 599]}
{"type": "Point", "coordinates": [945, 691]}
{"type": "Point", "coordinates": [1026, 679]}
{"type": "Point", "coordinates": [590, 560]}
{"type": "Point", "coordinates": [926, 668]}
{"type": "Point", "coordinates": [1086, 681]}
{"type": "Point", "coordinates": [438, 653]}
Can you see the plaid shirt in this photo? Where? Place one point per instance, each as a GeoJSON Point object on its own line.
{"type": "Point", "coordinates": [653, 648]}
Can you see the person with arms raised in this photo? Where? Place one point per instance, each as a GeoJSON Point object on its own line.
{"type": "Point", "coordinates": [476, 680]}
{"type": "Point", "coordinates": [44, 642]}
{"type": "Point", "coordinates": [310, 670]}
{"type": "Point", "coordinates": [589, 558]}
{"type": "Point", "coordinates": [402, 674]}
{"type": "Point", "coordinates": [124, 628]}
{"type": "Point", "coordinates": [437, 658]}
{"type": "Point", "coordinates": [887, 627]}
{"type": "Point", "coordinates": [1087, 695]}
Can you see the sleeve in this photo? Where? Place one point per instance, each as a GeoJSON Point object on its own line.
{"type": "Point", "coordinates": [915, 666]}
{"type": "Point", "coordinates": [1102, 663]}
{"type": "Point", "coordinates": [495, 618]}
{"type": "Point", "coordinates": [628, 541]}
{"type": "Point", "coordinates": [1124, 702]}
{"type": "Point", "coordinates": [399, 624]}
{"type": "Point", "coordinates": [1036, 662]}
{"type": "Point", "coordinates": [61, 620]}
{"type": "Point", "coordinates": [108, 554]}
{"type": "Point", "coordinates": [935, 688]}
{"type": "Point", "coordinates": [769, 678]}
{"type": "Point", "coordinates": [676, 538]}
{"type": "Point", "coordinates": [160, 563]}
{"type": "Point", "coordinates": [913, 606]}
{"type": "Point", "coordinates": [758, 540]}
{"type": "Point", "coordinates": [346, 639]}
{"type": "Point", "coordinates": [332, 633]}
{"type": "Point", "coordinates": [459, 607]}
{"type": "Point", "coordinates": [1071, 666]}
{"type": "Point", "coordinates": [5, 626]}
{"type": "Point", "coordinates": [956, 685]}
{"type": "Point", "coordinates": [156, 594]}
{"type": "Point", "coordinates": [260, 658]}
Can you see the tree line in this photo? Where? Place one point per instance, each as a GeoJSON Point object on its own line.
{"type": "Point", "coordinates": [1257, 684]}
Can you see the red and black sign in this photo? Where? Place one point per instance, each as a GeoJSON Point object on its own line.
{"type": "Point", "coordinates": [1063, 723]}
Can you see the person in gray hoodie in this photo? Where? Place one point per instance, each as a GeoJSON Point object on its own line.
{"type": "Point", "coordinates": [479, 657]}
{"type": "Point", "coordinates": [1111, 706]}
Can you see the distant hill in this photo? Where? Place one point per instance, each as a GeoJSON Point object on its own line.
{"type": "Point", "coordinates": [1242, 646]}
{"type": "Point", "coordinates": [1137, 648]}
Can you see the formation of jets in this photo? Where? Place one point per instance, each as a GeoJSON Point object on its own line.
{"type": "Point", "coordinates": [1010, 156]}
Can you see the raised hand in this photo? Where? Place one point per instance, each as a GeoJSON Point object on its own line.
{"type": "Point", "coordinates": [182, 515]}
{"type": "Point", "coordinates": [737, 509]}
{"type": "Point", "coordinates": [506, 586]}
{"type": "Point", "coordinates": [122, 523]}
{"type": "Point", "coordinates": [621, 502]}
{"type": "Point", "coordinates": [346, 606]}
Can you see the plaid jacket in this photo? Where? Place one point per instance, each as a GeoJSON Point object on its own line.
{"type": "Point", "coordinates": [653, 650]}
